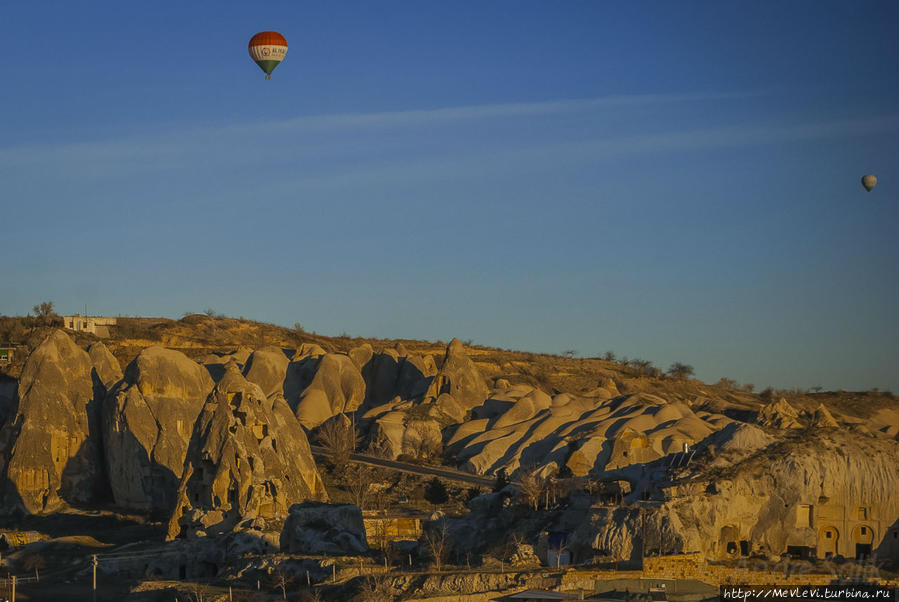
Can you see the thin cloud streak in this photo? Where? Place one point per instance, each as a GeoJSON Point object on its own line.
{"type": "Point", "coordinates": [173, 142]}
{"type": "Point", "coordinates": [596, 150]}
{"type": "Point", "coordinates": [413, 117]}
{"type": "Point", "coordinates": [176, 151]}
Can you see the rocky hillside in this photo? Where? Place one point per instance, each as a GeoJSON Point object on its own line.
{"type": "Point", "coordinates": [209, 425]}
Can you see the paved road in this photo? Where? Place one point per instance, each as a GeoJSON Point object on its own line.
{"type": "Point", "coordinates": [449, 474]}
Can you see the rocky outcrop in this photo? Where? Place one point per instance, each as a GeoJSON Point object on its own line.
{"type": "Point", "coordinates": [791, 494]}
{"type": "Point", "coordinates": [331, 529]}
{"type": "Point", "coordinates": [822, 418]}
{"type": "Point", "coordinates": [106, 366]}
{"type": "Point", "coordinates": [267, 367]}
{"type": "Point", "coordinates": [53, 444]}
{"type": "Point", "coordinates": [459, 377]}
{"type": "Point", "coordinates": [147, 422]}
{"type": "Point", "coordinates": [248, 458]}
{"type": "Point", "coordinates": [525, 427]}
{"type": "Point", "coordinates": [779, 415]}
{"type": "Point", "coordinates": [328, 387]}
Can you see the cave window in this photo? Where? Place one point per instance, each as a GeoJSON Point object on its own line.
{"type": "Point", "coordinates": [864, 530]}
{"type": "Point", "coordinates": [744, 548]}
{"type": "Point", "coordinates": [731, 547]}
{"type": "Point", "coordinates": [828, 535]}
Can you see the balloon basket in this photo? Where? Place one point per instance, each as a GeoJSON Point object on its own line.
{"type": "Point", "coordinates": [268, 77]}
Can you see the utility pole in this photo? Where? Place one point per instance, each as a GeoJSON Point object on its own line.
{"type": "Point", "coordinates": [13, 588]}
{"type": "Point", "coordinates": [94, 589]}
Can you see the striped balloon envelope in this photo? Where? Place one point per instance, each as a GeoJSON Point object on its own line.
{"type": "Point", "coordinates": [268, 49]}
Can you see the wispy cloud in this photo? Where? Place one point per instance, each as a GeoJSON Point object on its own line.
{"type": "Point", "coordinates": [176, 141]}
{"type": "Point", "coordinates": [414, 117]}
{"type": "Point", "coordinates": [355, 142]}
{"type": "Point", "coordinates": [596, 150]}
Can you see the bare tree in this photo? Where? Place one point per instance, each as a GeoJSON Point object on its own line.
{"type": "Point", "coordinates": [425, 444]}
{"type": "Point", "coordinates": [642, 367]}
{"type": "Point", "coordinates": [311, 596]}
{"type": "Point", "coordinates": [559, 549]}
{"type": "Point", "coordinates": [680, 371]}
{"type": "Point", "coordinates": [339, 439]}
{"type": "Point", "coordinates": [283, 578]}
{"type": "Point", "coordinates": [197, 593]}
{"type": "Point", "coordinates": [375, 588]}
{"type": "Point", "coordinates": [727, 383]}
{"type": "Point", "coordinates": [380, 447]}
{"type": "Point", "coordinates": [532, 486]}
{"type": "Point", "coordinates": [358, 480]}
{"type": "Point", "coordinates": [436, 539]}
{"type": "Point", "coordinates": [44, 313]}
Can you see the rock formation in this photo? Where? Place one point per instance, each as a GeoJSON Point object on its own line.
{"type": "Point", "coordinates": [332, 529]}
{"type": "Point", "coordinates": [107, 367]}
{"type": "Point", "coordinates": [525, 427]}
{"type": "Point", "coordinates": [53, 455]}
{"type": "Point", "coordinates": [822, 418]}
{"type": "Point", "coordinates": [267, 367]}
{"type": "Point", "coordinates": [248, 458]}
{"type": "Point", "coordinates": [147, 422]}
{"type": "Point", "coordinates": [333, 384]}
{"type": "Point", "coordinates": [779, 415]}
{"type": "Point", "coordinates": [459, 377]}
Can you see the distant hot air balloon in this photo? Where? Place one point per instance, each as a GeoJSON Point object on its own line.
{"type": "Point", "coordinates": [869, 181]}
{"type": "Point", "coordinates": [268, 48]}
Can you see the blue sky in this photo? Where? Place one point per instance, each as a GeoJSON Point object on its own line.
{"type": "Point", "coordinates": [677, 181]}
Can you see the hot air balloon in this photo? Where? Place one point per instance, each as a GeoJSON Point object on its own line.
{"type": "Point", "coordinates": [869, 181]}
{"type": "Point", "coordinates": [268, 48]}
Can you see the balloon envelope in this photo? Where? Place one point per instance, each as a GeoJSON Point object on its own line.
{"type": "Point", "coordinates": [869, 181]}
{"type": "Point", "coordinates": [268, 49]}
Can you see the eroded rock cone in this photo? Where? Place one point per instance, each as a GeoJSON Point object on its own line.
{"type": "Point", "coordinates": [248, 458]}
{"type": "Point", "coordinates": [53, 455]}
{"type": "Point", "coordinates": [336, 386]}
{"type": "Point", "coordinates": [780, 415]}
{"type": "Point", "coordinates": [147, 422]}
{"type": "Point", "coordinates": [459, 377]}
{"type": "Point", "coordinates": [267, 367]}
{"type": "Point", "coordinates": [822, 418]}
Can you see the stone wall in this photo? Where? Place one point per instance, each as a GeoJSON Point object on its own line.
{"type": "Point", "coordinates": [694, 566]}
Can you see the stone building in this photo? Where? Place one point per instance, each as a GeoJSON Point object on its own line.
{"type": "Point", "coordinates": [97, 325]}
